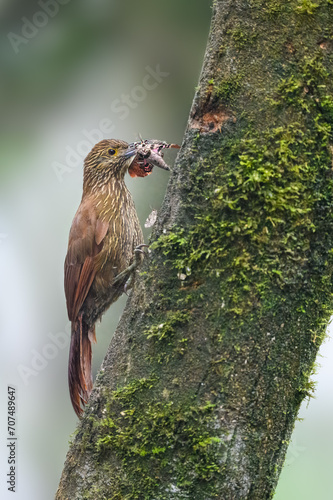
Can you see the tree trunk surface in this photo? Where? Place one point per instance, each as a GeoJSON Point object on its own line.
{"type": "Point", "coordinates": [199, 391]}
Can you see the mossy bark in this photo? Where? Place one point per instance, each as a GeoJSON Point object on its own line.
{"type": "Point", "coordinates": [200, 389]}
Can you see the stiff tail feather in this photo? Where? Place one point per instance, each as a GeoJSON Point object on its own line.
{"type": "Point", "coordinates": [79, 365]}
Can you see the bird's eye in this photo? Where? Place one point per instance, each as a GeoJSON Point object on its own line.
{"type": "Point", "coordinates": [112, 152]}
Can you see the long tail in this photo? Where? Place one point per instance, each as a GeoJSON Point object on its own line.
{"type": "Point", "coordinates": [79, 364]}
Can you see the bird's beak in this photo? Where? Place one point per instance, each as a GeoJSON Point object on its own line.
{"type": "Point", "coordinates": [130, 151]}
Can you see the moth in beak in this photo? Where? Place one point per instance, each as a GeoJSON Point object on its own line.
{"type": "Point", "coordinates": [149, 153]}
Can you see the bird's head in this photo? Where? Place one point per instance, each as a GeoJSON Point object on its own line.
{"type": "Point", "coordinates": [112, 158]}
{"type": "Point", "coordinates": [108, 158]}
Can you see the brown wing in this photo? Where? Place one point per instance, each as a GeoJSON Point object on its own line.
{"type": "Point", "coordinates": [85, 242]}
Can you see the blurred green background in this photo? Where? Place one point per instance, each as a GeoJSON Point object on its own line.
{"type": "Point", "coordinates": [59, 83]}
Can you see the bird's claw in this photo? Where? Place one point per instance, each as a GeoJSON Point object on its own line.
{"type": "Point", "coordinates": [143, 245]}
{"type": "Point", "coordinates": [127, 284]}
{"type": "Point", "coordinates": [131, 268]}
{"type": "Point", "coordinates": [138, 249]}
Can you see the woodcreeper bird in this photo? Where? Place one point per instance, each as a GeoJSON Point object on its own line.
{"type": "Point", "coordinates": [104, 247]}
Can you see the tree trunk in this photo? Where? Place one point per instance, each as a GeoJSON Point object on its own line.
{"type": "Point", "coordinates": [200, 389]}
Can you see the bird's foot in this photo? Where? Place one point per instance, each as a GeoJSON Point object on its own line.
{"type": "Point", "coordinates": [128, 272]}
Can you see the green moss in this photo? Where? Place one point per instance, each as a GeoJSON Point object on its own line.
{"type": "Point", "coordinates": [158, 438]}
{"type": "Point", "coordinates": [166, 330]}
{"type": "Point", "coordinates": [266, 196]}
{"type": "Point", "coordinates": [242, 38]}
{"type": "Point", "coordinates": [228, 87]}
{"type": "Point", "coordinates": [306, 7]}
{"type": "Point", "coordinates": [270, 6]}
{"type": "Point", "coordinates": [269, 192]}
{"type": "Point", "coordinates": [164, 344]}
